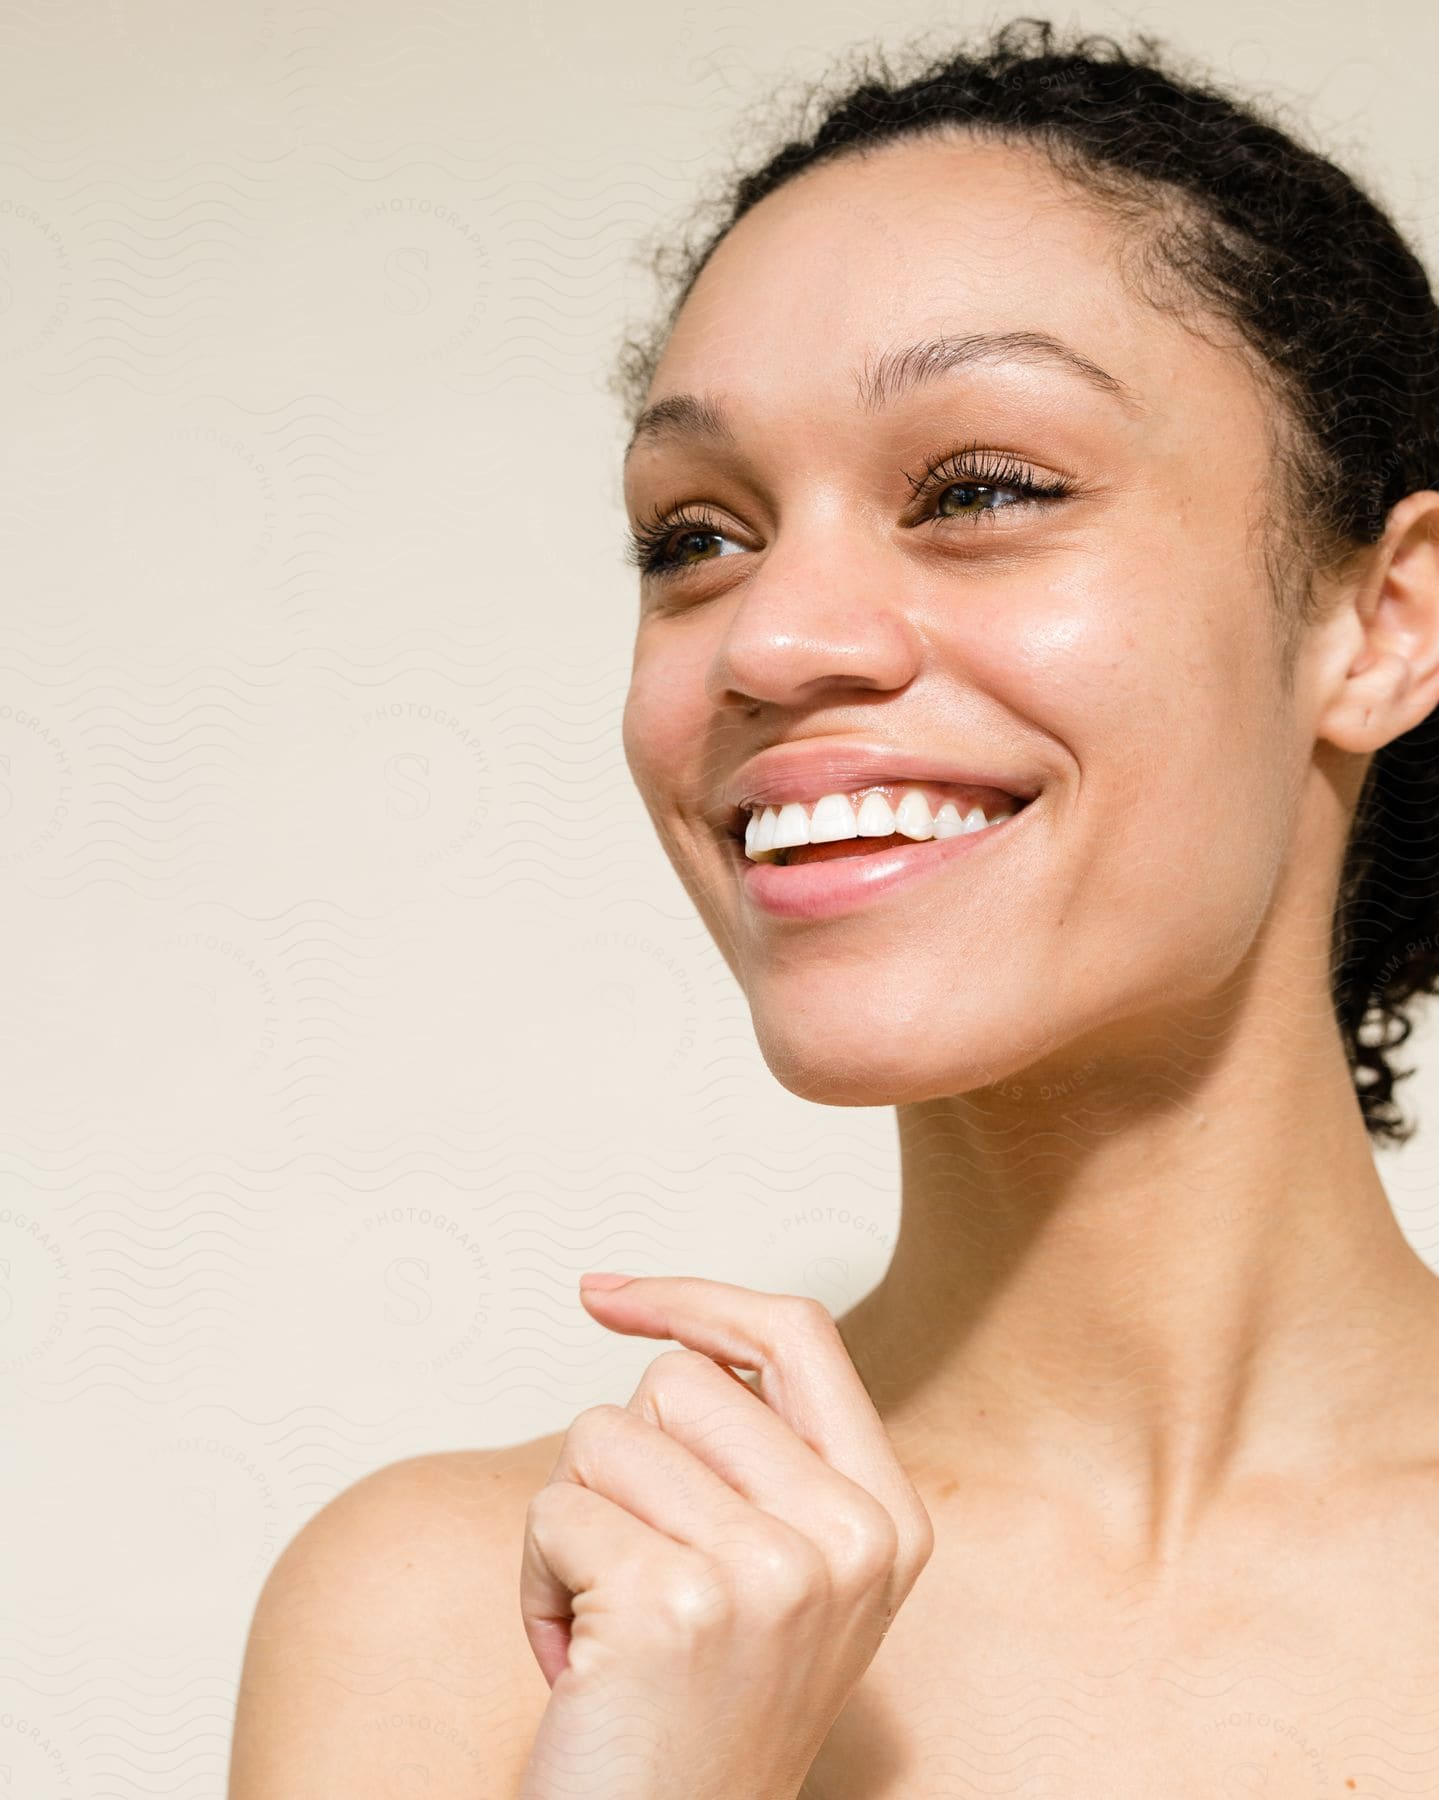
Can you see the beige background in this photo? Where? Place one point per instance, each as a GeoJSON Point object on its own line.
{"type": "Point", "coordinates": [350, 1009]}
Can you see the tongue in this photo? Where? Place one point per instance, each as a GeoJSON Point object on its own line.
{"type": "Point", "coordinates": [865, 846]}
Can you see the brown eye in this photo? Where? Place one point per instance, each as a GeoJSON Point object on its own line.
{"type": "Point", "coordinates": [966, 492]}
{"type": "Point", "coordinates": [693, 547]}
{"type": "Point", "coordinates": [661, 547]}
{"type": "Point", "coordinates": [966, 485]}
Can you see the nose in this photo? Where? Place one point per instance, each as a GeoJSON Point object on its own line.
{"type": "Point", "coordinates": [823, 616]}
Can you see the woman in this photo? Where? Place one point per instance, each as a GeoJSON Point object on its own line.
{"type": "Point", "coordinates": [1033, 488]}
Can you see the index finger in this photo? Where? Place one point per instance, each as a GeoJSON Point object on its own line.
{"type": "Point", "coordinates": [805, 1373]}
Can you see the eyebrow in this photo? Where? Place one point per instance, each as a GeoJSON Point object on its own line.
{"type": "Point", "coordinates": [894, 373]}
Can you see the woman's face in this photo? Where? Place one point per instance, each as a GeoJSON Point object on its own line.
{"type": "Point", "coordinates": [825, 619]}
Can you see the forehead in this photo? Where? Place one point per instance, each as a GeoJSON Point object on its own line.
{"type": "Point", "coordinates": [919, 238]}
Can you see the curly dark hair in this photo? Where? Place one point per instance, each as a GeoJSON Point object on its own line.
{"type": "Point", "coordinates": [1334, 313]}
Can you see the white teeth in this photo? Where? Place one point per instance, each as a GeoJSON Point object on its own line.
{"type": "Point", "coordinates": [834, 816]}
{"type": "Point", "coordinates": [832, 819]}
{"type": "Point", "coordinates": [875, 817]}
{"type": "Point", "coordinates": [912, 816]}
{"type": "Point", "coordinates": [792, 827]}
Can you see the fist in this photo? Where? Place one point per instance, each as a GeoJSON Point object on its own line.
{"type": "Point", "coordinates": [709, 1569]}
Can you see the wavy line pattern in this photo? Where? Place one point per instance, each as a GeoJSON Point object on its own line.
{"type": "Point", "coordinates": [351, 1007]}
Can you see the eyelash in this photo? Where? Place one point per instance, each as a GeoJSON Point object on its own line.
{"type": "Point", "coordinates": [969, 467]}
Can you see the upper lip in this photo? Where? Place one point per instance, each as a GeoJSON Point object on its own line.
{"type": "Point", "coordinates": [807, 769]}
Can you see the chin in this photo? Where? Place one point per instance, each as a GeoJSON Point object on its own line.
{"type": "Point", "coordinates": [865, 1061]}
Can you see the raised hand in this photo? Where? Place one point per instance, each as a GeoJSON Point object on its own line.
{"type": "Point", "coordinates": [709, 1570]}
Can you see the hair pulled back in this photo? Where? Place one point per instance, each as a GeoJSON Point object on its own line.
{"type": "Point", "coordinates": [1331, 306]}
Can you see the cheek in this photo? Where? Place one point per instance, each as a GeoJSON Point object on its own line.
{"type": "Point", "coordinates": [663, 721]}
{"type": "Point", "coordinates": [1151, 675]}
{"type": "Point", "coordinates": [1164, 693]}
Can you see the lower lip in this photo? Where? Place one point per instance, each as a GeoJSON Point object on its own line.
{"type": "Point", "coordinates": [827, 890]}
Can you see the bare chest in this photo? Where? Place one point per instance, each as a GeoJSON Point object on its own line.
{"type": "Point", "coordinates": [1162, 1727]}
{"type": "Point", "coordinates": [1253, 1695]}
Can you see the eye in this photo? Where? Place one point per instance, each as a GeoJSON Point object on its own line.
{"type": "Point", "coordinates": [965, 485]}
{"type": "Point", "coordinates": [962, 485]}
{"type": "Point", "coordinates": [679, 540]}
{"type": "Point", "coordinates": [970, 495]}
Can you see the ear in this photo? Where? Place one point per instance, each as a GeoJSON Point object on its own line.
{"type": "Point", "coordinates": [1391, 639]}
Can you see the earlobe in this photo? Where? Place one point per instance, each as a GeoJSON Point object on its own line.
{"type": "Point", "coordinates": [1392, 680]}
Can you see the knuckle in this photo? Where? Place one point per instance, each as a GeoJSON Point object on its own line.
{"type": "Point", "coordinates": [671, 1369]}
{"type": "Point", "coordinates": [593, 1431]}
{"type": "Point", "coordinates": [807, 1316]}
{"type": "Point", "coordinates": [865, 1544]}
{"type": "Point", "coordinates": [789, 1573]}
{"type": "Point", "coordinates": [608, 1415]}
{"type": "Point", "coordinates": [547, 1506]}
{"type": "Point", "coordinates": [692, 1597]}
{"type": "Point", "coordinates": [596, 1424]}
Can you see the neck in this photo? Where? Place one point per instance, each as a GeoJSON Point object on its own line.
{"type": "Point", "coordinates": [1145, 1281]}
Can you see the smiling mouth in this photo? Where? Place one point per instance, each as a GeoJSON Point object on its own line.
{"type": "Point", "coordinates": [867, 820]}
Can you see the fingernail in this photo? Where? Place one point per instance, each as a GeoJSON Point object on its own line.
{"type": "Point", "coordinates": [603, 1281]}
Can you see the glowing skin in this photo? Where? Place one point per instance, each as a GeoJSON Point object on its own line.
{"type": "Point", "coordinates": [1136, 1188]}
{"type": "Point", "coordinates": [1148, 1392]}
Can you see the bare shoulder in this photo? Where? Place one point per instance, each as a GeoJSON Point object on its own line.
{"type": "Point", "coordinates": [386, 1653]}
